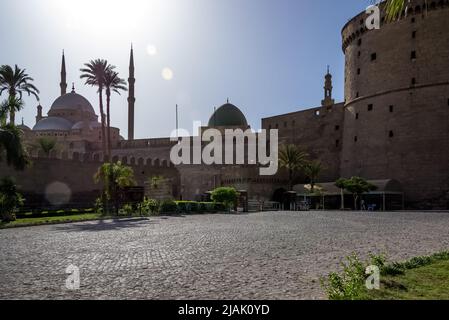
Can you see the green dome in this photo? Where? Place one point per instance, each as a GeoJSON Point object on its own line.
{"type": "Point", "coordinates": [228, 115]}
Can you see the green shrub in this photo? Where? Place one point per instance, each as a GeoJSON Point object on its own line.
{"type": "Point", "coordinates": [98, 206]}
{"type": "Point", "coordinates": [349, 284]}
{"type": "Point", "coordinates": [417, 262]}
{"type": "Point", "coordinates": [188, 206]}
{"type": "Point", "coordinates": [126, 210]}
{"type": "Point", "coordinates": [393, 269]}
{"type": "Point", "coordinates": [226, 196]}
{"type": "Point", "coordinates": [378, 260]}
{"type": "Point", "coordinates": [219, 207]}
{"type": "Point", "coordinates": [168, 206]}
{"type": "Point", "coordinates": [183, 206]}
{"type": "Point", "coordinates": [194, 207]}
{"type": "Point", "coordinates": [202, 207]}
{"type": "Point", "coordinates": [10, 199]}
{"type": "Point", "coordinates": [149, 207]}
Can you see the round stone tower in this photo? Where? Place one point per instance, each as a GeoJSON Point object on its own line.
{"type": "Point", "coordinates": [397, 101]}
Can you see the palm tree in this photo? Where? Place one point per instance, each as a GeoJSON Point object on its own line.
{"type": "Point", "coordinates": [47, 145]}
{"type": "Point", "coordinates": [292, 159]}
{"type": "Point", "coordinates": [16, 82]}
{"type": "Point", "coordinates": [112, 83]}
{"type": "Point", "coordinates": [11, 103]}
{"type": "Point", "coordinates": [11, 145]}
{"type": "Point", "coordinates": [312, 170]}
{"type": "Point", "coordinates": [114, 176]}
{"type": "Point", "coordinates": [10, 199]}
{"type": "Point", "coordinates": [94, 73]}
{"type": "Point", "coordinates": [395, 8]}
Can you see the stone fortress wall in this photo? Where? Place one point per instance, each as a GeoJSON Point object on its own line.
{"type": "Point", "coordinates": [76, 172]}
{"type": "Point", "coordinates": [396, 121]}
{"type": "Point", "coordinates": [318, 131]}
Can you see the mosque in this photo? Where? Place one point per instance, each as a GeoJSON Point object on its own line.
{"type": "Point", "coordinates": [392, 127]}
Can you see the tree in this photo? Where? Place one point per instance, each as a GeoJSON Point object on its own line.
{"type": "Point", "coordinates": [356, 186]}
{"type": "Point", "coordinates": [10, 104]}
{"type": "Point", "coordinates": [225, 195]}
{"type": "Point", "coordinates": [341, 184]}
{"type": "Point", "coordinates": [47, 145]}
{"type": "Point", "coordinates": [292, 159]}
{"type": "Point", "coordinates": [11, 144]}
{"type": "Point", "coordinates": [112, 83]}
{"type": "Point", "coordinates": [94, 74]}
{"type": "Point", "coordinates": [156, 181]}
{"type": "Point", "coordinates": [114, 176]}
{"type": "Point", "coordinates": [10, 199]}
{"type": "Point", "coordinates": [16, 82]}
{"type": "Point", "coordinates": [312, 170]}
{"type": "Point", "coordinates": [394, 8]}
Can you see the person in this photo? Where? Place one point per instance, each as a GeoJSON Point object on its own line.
{"type": "Point", "coordinates": [363, 205]}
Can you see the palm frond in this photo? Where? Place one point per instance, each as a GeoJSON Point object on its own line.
{"type": "Point", "coordinates": [11, 144]}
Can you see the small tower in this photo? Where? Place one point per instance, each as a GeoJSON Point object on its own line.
{"type": "Point", "coordinates": [39, 113]}
{"type": "Point", "coordinates": [328, 101]}
{"type": "Point", "coordinates": [63, 83]}
{"type": "Point", "coordinates": [131, 98]}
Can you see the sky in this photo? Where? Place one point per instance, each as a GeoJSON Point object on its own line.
{"type": "Point", "coordinates": [267, 56]}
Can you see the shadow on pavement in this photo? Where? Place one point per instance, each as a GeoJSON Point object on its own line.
{"type": "Point", "coordinates": [105, 225]}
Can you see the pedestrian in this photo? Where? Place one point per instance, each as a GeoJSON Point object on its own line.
{"type": "Point", "coordinates": [363, 205]}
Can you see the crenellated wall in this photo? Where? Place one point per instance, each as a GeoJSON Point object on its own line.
{"type": "Point", "coordinates": [75, 172]}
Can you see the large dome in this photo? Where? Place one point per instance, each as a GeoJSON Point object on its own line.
{"type": "Point", "coordinates": [82, 125]}
{"type": "Point", "coordinates": [72, 101]}
{"type": "Point", "coordinates": [53, 124]}
{"type": "Point", "coordinates": [228, 115]}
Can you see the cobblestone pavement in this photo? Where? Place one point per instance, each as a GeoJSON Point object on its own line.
{"type": "Point", "coordinates": [272, 255]}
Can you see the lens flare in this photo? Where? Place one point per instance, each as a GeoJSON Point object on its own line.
{"type": "Point", "coordinates": [58, 193]}
{"type": "Point", "coordinates": [167, 74]}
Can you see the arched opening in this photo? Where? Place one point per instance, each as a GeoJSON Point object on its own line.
{"type": "Point", "coordinates": [278, 195]}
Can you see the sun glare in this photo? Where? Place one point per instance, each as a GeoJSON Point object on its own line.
{"type": "Point", "coordinates": [151, 50]}
{"type": "Point", "coordinates": [102, 16]}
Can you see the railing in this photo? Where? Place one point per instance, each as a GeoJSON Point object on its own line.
{"type": "Point", "coordinates": [259, 206]}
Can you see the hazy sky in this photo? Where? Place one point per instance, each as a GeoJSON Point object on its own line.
{"type": "Point", "coordinates": [268, 56]}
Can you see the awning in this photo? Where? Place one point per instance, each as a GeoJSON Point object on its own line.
{"type": "Point", "coordinates": [385, 186]}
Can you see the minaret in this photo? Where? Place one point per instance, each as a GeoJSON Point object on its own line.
{"type": "Point", "coordinates": [328, 101]}
{"type": "Point", "coordinates": [39, 113]}
{"type": "Point", "coordinates": [131, 98]}
{"type": "Point", "coordinates": [63, 83]}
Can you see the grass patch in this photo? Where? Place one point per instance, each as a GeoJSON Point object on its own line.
{"type": "Point", "coordinates": [420, 278]}
{"type": "Point", "coordinates": [25, 222]}
{"type": "Point", "coordinates": [429, 282]}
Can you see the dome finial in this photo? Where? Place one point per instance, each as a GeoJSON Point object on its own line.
{"type": "Point", "coordinates": [227, 100]}
{"type": "Point", "coordinates": [73, 87]}
{"type": "Point", "coordinates": [22, 121]}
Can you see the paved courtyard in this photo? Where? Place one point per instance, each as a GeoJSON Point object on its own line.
{"type": "Point", "coordinates": [272, 255]}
